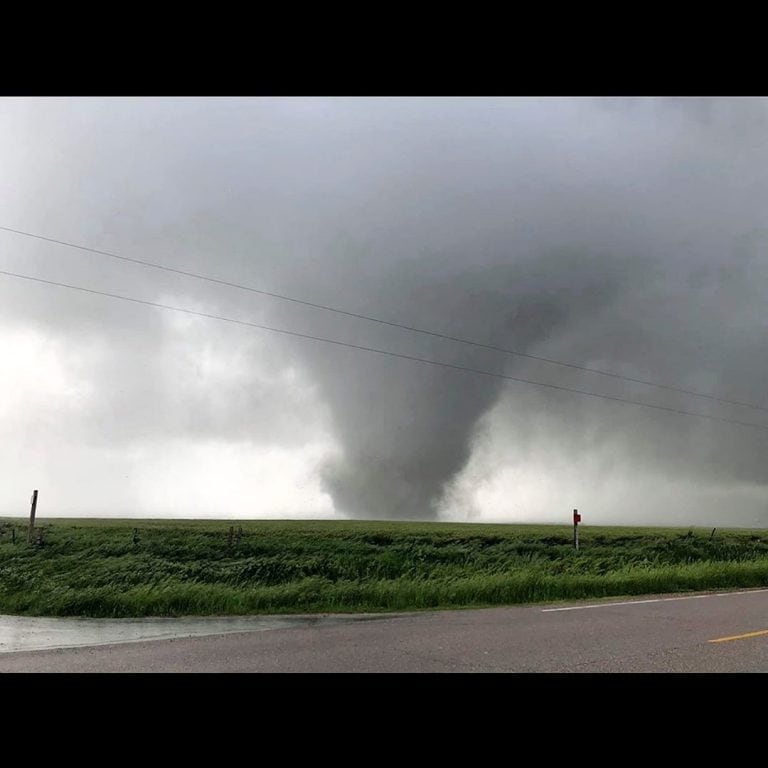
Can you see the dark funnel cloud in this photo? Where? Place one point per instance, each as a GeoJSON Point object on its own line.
{"type": "Point", "coordinates": [407, 428]}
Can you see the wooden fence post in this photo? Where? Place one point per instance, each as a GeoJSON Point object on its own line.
{"type": "Point", "coordinates": [32, 517]}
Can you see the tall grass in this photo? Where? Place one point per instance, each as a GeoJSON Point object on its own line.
{"type": "Point", "coordinates": [95, 568]}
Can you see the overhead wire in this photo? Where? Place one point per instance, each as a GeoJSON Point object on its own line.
{"type": "Point", "coordinates": [390, 323]}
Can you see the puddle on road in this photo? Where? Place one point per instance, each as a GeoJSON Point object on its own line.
{"type": "Point", "coordinates": [27, 633]}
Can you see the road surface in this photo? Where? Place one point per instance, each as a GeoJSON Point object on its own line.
{"type": "Point", "coordinates": [723, 632]}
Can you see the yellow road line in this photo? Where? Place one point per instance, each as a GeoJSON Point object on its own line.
{"type": "Point", "coordinates": [740, 637]}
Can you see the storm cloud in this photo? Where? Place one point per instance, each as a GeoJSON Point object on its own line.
{"type": "Point", "coordinates": [626, 235]}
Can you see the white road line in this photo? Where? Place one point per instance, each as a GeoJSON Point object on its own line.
{"type": "Point", "coordinates": [655, 600]}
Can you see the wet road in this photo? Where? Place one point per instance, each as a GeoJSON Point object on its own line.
{"type": "Point", "coordinates": [724, 632]}
{"type": "Point", "coordinates": [24, 633]}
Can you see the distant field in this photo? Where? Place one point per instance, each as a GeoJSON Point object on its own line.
{"type": "Point", "coordinates": [94, 567]}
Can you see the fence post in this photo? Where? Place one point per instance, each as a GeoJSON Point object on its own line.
{"type": "Point", "coordinates": [32, 517]}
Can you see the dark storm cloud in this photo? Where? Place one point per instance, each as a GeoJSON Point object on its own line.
{"type": "Point", "coordinates": [623, 234]}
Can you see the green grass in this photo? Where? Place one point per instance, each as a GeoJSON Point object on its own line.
{"type": "Point", "coordinates": [94, 568]}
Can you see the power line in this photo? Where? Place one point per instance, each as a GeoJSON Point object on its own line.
{"type": "Point", "coordinates": [401, 326]}
{"type": "Point", "coordinates": [379, 351]}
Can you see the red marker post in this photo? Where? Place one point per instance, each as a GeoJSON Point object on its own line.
{"type": "Point", "coordinates": [576, 521]}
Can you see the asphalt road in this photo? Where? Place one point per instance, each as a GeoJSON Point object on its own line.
{"type": "Point", "coordinates": [724, 632]}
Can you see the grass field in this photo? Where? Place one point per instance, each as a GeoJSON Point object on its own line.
{"type": "Point", "coordinates": [95, 568]}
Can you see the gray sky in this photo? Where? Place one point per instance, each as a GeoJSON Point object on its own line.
{"type": "Point", "coordinates": [622, 234]}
